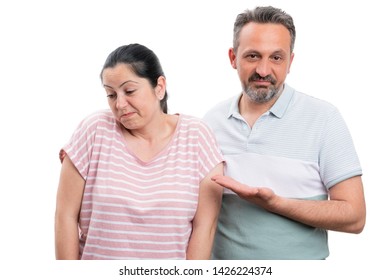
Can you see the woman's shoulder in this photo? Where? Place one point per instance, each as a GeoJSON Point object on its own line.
{"type": "Point", "coordinates": [104, 115]}
{"type": "Point", "coordinates": [194, 124]}
{"type": "Point", "coordinates": [97, 119]}
{"type": "Point", "coordinates": [190, 120]}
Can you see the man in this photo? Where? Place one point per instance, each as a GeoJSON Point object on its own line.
{"type": "Point", "coordinates": [292, 172]}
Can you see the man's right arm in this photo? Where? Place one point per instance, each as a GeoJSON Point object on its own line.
{"type": "Point", "coordinates": [344, 211]}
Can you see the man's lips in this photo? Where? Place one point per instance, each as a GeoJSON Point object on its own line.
{"type": "Point", "coordinates": [262, 82]}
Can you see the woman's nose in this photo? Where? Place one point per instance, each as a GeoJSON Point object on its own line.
{"type": "Point", "coordinates": [121, 101]}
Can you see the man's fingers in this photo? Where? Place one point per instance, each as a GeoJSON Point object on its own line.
{"type": "Point", "coordinates": [233, 185]}
{"type": "Point", "coordinates": [226, 181]}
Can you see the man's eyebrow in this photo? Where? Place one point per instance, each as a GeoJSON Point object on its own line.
{"type": "Point", "coordinates": [280, 51]}
{"type": "Point", "coordinates": [258, 52]}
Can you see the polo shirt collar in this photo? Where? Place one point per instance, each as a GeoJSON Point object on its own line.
{"type": "Point", "coordinates": [234, 111]}
{"type": "Point", "coordinates": [281, 105]}
{"type": "Point", "coordinates": [278, 109]}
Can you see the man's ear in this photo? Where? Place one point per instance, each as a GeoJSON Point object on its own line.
{"type": "Point", "coordinates": [232, 57]}
{"type": "Point", "coordinates": [291, 60]}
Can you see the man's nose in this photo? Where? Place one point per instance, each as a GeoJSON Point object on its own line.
{"type": "Point", "coordinates": [263, 68]}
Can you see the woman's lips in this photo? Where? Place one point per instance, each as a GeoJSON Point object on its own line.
{"type": "Point", "coordinates": [127, 115]}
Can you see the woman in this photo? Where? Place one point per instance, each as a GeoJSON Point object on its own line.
{"type": "Point", "coordinates": [136, 181]}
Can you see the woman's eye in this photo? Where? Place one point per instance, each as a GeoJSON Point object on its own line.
{"type": "Point", "coordinates": [111, 96]}
{"type": "Point", "coordinates": [128, 92]}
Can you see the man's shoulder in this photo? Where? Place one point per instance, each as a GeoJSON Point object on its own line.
{"type": "Point", "coordinates": [311, 103]}
{"type": "Point", "coordinates": [222, 108]}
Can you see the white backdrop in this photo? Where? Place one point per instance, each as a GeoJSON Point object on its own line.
{"type": "Point", "coordinates": [51, 54]}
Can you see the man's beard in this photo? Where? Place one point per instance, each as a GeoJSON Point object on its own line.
{"type": "Point", "coordinates": [261, 94]}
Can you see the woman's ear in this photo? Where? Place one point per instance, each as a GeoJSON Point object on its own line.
{"type": "Point", "coordinates": [160, 87]}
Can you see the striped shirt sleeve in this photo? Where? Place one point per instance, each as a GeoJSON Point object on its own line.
{"type": "Point", "coordinates": [209, 151]}
{"type": "Point", "coordinates": [79, 147]}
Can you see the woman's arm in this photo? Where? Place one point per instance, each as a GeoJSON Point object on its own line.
{"type": "Point", "coordinates": [69, 196]}
{"type": "Point", "coordinates": [206, 217]}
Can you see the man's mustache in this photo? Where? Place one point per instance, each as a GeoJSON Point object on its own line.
{"type": "Point", "coordinates": [257, 77]}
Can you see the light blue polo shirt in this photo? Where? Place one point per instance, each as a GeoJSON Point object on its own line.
{"type": "Point", "coordinates": [300, 148]}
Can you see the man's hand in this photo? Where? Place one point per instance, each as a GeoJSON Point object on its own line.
{"type": "Point", "coordinates": [261, 196]}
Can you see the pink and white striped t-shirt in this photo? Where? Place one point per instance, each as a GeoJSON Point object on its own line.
{"type": "Point", "coordinates": [133, 209]}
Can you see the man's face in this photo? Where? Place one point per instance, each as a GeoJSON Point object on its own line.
{"type": "Point", "coordinates": [263, 59]}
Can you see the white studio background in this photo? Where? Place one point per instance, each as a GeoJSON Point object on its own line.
{"type": "Point", "coordinates": [51, 54]}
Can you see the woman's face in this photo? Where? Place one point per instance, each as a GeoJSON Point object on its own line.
{"type": "Point", "coordinates": [132, 99]}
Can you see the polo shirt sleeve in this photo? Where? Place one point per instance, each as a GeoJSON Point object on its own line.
{"type": "Point", "coordinates": [338, 159]}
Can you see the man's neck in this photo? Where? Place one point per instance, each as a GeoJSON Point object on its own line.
{"type": "Point", "coordinates": [251, 110]}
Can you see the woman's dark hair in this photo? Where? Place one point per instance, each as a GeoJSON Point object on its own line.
{"type": "Point", "coordinates": [143, 61]}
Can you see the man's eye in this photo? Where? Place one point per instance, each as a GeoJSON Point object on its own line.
{"type": "Point", "coordinates": [277, 58]}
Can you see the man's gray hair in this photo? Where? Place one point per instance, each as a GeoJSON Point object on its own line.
{"type": "Point", "coordinates": [267, 14]}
